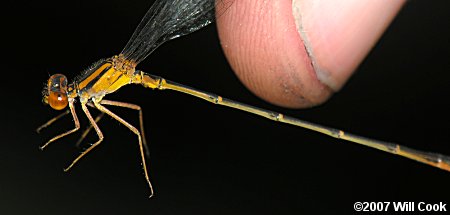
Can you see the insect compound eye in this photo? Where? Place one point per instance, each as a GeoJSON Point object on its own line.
{"type": "Point", "coordinates": [57, 92]}
{"type": "Point", "coordinates": [57, 100]}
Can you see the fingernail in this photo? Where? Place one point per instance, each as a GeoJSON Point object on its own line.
{"type": "Point", "coordinates": [339, 34]}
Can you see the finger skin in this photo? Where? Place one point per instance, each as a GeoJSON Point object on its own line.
{"type": "Point", "coordinates": [297, 53]}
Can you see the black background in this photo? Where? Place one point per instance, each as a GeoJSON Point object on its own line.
{"type": "Point", "coordinates": [207, 159]}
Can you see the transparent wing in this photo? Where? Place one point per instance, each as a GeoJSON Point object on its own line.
{"type": "Point", "coordinates": [169, 19]}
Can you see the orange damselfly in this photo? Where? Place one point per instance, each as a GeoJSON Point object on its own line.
{"type": "Point", "coordinates": [164, 21]}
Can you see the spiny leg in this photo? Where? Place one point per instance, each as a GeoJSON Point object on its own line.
{"type": "Point", "coordinates": [141, 118]}
{"type": "Point", "coordinates": [432, 159]}
{"type": "Point", "coordinates": [75, 119]}
{"type": "Point", "coordinates": [88, 129]}
{"type": "Point", "coordinates": [52, 120]}
{"type": "Point", "coordinates": [99, 133]}
{"type": "Point", "coordinates": [134, 130]}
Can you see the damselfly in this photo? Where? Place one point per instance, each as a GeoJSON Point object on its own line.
{"type": "Point", "coordinates": [166, 20]}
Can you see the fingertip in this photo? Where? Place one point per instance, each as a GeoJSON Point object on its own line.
{"type": "Point", "coordinates": [264, 49]}
{"type": "Point", "coordinates": [285, 54]}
